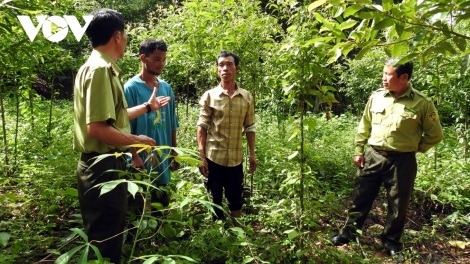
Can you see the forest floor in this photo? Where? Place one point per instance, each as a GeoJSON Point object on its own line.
{"type": "Point", "coordinates": [422, 243]}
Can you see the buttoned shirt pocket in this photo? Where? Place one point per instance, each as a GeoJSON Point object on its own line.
{"type": "Point", "coordinates": [407, 120]}
{"type": "Point", "coordinates": [378, 112]}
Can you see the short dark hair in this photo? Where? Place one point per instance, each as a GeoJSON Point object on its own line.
{"type": "Point", "coordinates": [148, 46]}
{"type": "Point", "coordinates": [103, 25]}
{"type": "Point", "coordinates": [400, 69]}
{"type": "Point", "coordinates": [224, 54]}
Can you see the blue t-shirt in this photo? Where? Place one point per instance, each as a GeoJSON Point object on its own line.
{"type": "Point", "coordinates": [158, 124]}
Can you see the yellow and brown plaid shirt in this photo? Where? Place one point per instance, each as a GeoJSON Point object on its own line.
{"type": "Point", "coordinates": [226, 120]}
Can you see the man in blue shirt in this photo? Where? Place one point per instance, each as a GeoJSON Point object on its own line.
{"type": "Point", "coordinates": [161, 124]}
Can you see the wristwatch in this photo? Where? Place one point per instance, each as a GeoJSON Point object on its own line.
{"type": "Point", "coordinates": [149, 109]}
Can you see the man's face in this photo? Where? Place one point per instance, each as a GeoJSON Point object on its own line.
{"type": "Point", "coordinates": [122, 43]}
{"type": "Point", "coordinates": [391, 82]}
{"type": "Point", "coordinates": [226, 68]}
{"type": "Point", "coordinates": [155, 62]}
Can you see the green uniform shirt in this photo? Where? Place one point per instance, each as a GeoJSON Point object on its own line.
{"type": "Point", "coordinates": [408, 123]}
{"type": "Point", "coordinates": [98, 96]}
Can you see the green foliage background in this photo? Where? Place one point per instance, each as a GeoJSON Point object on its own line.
{"type": "Point", "coordinates": [300, 60]}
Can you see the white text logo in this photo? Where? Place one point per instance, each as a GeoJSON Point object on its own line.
{"type": "Point", "coordinates": [62, 23]}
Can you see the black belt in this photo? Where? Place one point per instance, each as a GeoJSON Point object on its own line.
{"type": "Point", "coordinates": [388, 153]}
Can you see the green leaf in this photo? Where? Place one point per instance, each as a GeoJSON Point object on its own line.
{"type": "Point", "coordinates": [248, 260]}
{"type": "Point", "coordinates": [97, 253]}
{"type": "Point", "coordinates": [240, 243]}
{"type": "Point", "coordinates": [348, 24]}
{"type": "Point", "coordinates": [316, 40]}
{"type": "Point", "coordinates": [167, 231]}
{"type": "Point", "coordinates": [339, 11]}
{"type": "Point", "coordinates": [407, 58]}
{"type": "Point", "coordinates": [387, 5]}
{"type": "Point", "coordinates": [447, 46]}
{"type": "Point", "coordinates": [300, 253]}
{"type": "Point", "coordinates": [80, 233]}
{"type": "Point", "coordinates": [368, 15]}
{"type": "Point", "coordinates": [291, 156]}
{"type": "Point", "coordinates": [399, 28]}
{"type": "Point", "coordinates": [109, 186]}
{"type": "Point", "coordinates": [291, 234]}
{"type": "Point", "coordinates": [185, 202]}
{"type": "Point", "coordinates": [361, 53]}
{"type": "Point", "coordinates": [84, 256]}
{"type": "Point", "coordinates": [151, 260]}
{"type": "Point", "coordinates": [71, 191]}
{"type": "Point", "coordinates": [11, 196]}
{"type": "Point", "coordinates": [4, 237]}
{"type": "Point", "coordinates": [238, 231]}
{"type": "Point", "coordinates": [316, 4]}
{"type": "Point", "coordinates": [399, 49]}
{"type": "Point", "coordinates": [464, 65]}
{"type": "Point", "coordinates": [310, 122]}
{"type": "Point", "coordinates": [385, 23]}
{"type": "Point", "coordinates": [132, 188]}
{"type": "Point", "coordinates": [53, 251]}
{"type": "Point", "coordinates": [296, 132]}
{"type": "Point", "coordinates": [351, 10]}
{"type": "Point", "coordinates": [152, 223]}
{"type": "Point", "coordinates": [183, 257]}
{"type": "Point", "coordinates": [158, 206]}
{"type": "Point", "coordinates": [460, 42]}
{"type": "Point", "coordinates": [64, 258]}
{"type": "Point", "coordinates": [6, 28]}
{"type": "Point", "coordinates": [191, 161]}
{"type": "Point", "coordinates": [168, 260]}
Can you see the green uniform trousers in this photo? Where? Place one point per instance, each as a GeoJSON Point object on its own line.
{"type": "Point", "coordinates": [397, 173]}
{"type": "Point", "coordinates": [103, 216]}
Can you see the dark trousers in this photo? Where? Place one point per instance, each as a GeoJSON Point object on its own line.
{"type": "Point", "coordinates": [397, 173]}
{"type": "Point", "coordinates": [103, 216]}
{"type": "Point", "coordinates": [229, 179]}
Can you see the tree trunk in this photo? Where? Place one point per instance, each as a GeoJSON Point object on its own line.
{"type": "Point", "coordinates": [465, 146]}
{"type": "Point", "coordinates": [17, 122]}
{"type": "Point", "coordinates": [302, 158]}
{"type": "Point", "coordinates": [4, 130]}
{"type": "Point", "coordinates": [49, 126]}
{"type": "Point", "coordinates": [31, 108]}
{"type": "Point", "coordinates": [187, 96]}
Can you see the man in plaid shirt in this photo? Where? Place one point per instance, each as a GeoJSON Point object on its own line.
{"type": "Point", "coordinates": [227, 113]}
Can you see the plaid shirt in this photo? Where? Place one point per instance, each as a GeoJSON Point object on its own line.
{"type": "Point", "coordinates": [226, 120]}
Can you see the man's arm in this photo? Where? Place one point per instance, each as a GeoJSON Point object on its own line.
{"type": "Point", "coordinates": [201, 142]}
{"type": "Point", "coordinates": [155, 103]}
{"type": "Point", "coordinates": [250, 136]}
{"type": "Point", "coordinates": [363, 134]}
{"type": "Point", "coordinates": [110, 135]}
{"type": "Point", "coordinates": [432, 129]}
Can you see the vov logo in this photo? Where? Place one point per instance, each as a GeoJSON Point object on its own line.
{"type": "Point", "coordinates": [62, 23]}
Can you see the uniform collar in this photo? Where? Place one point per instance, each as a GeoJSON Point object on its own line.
{"type": "Point", "coordinates": [409, 92]}
{"type": "Point", "coordinates": [116, 70]}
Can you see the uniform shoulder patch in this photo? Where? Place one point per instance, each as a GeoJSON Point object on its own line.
{"type": "Point", "coordinates": [433, 116]}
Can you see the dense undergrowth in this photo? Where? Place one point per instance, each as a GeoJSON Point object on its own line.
{"type": "Point", "coordinates": [38, 203]}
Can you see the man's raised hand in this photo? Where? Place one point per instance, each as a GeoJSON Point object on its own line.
{"type": "Point", "coordinates": [157, 102]}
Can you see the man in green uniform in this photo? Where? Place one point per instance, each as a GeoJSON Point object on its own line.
{"type": "Point", "coordinates": [398, 121]}
{"type": "Point", "coordinates": [101, 125]}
